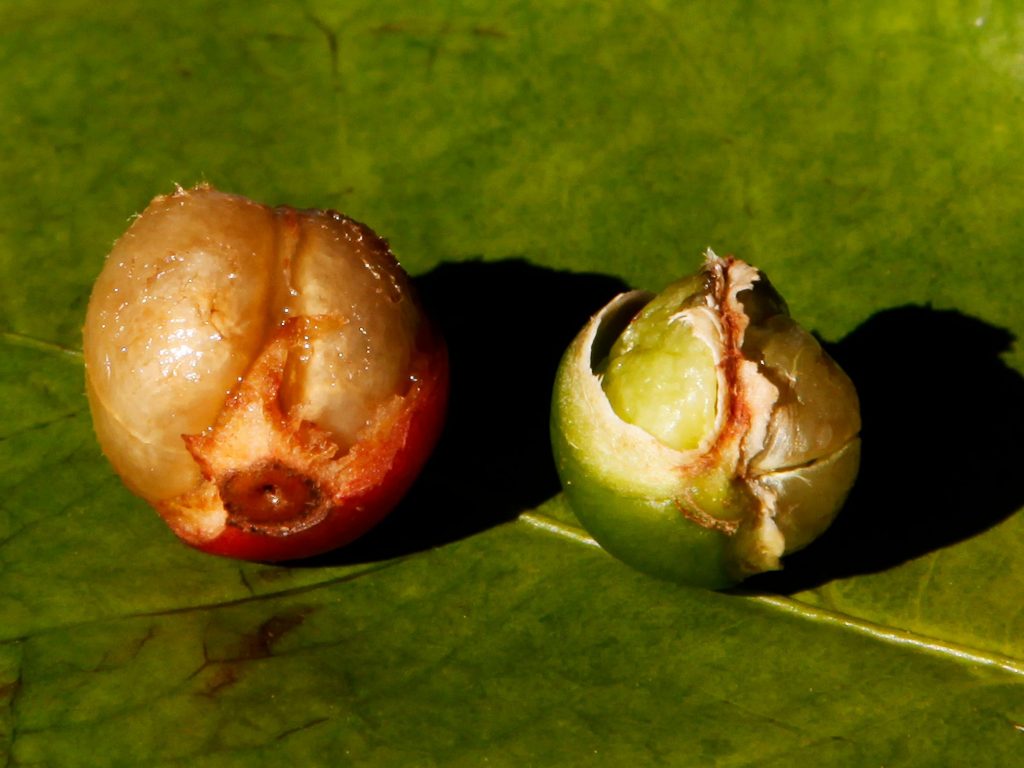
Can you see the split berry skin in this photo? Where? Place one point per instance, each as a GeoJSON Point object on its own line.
{"type": "Point", "coordinates": [264, 377]}
{"type": "Point", "coordinates": [702, 434]}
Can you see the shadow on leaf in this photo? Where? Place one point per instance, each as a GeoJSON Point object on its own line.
{"type": "Point", "coordinates": [507, 324]}
{"type": "Point", "coordinates": [942, 416]}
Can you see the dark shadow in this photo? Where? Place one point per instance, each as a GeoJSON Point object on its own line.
{"type": "Point", "coordinates": [942, 455]}
{"type": "Point", "coordinates": [507, 324]}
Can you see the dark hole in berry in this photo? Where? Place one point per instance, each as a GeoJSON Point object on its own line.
{"type": "Point", "coordinates": [271, 498]}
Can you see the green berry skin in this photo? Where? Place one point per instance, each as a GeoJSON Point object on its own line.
{"type": "Point", "coordinates": [626, 523]}
{"type": "Point", "coordinates": [622, 483]}
{"type": "Point", "coordinates": [768, 449]}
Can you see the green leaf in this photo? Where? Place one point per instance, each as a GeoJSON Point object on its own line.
{"type": "Point", "coordinates": [526, 160]}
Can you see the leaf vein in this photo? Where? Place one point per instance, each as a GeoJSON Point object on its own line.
{"type": "Point", "coordinates": [24, 340]}
{"type": "Point", "coordinates": [40, 425]}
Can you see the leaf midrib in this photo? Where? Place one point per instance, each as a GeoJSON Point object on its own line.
{"type": "Point", "coordinates": [879, 632]}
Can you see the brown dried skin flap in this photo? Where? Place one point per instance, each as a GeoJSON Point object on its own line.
{"type": "Point", "coordinates": [272, 473]}
{"type": "Point", "coordinates": [269, 475]}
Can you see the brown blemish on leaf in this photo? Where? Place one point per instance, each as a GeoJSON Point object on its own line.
{"type": "Point", "coordinates": [9, 691]}
{"type": "Point", "coordinates": [120, 657]}
{"type": "Point", "coordinates": [222, 673]}
{"type": "Point", "coordinates": [274, 629]}
{"type": "Point", "coordinates": [223, 676]}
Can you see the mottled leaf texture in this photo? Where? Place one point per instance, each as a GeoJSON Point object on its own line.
{"type": "Point", "coordinates": [527, 161]}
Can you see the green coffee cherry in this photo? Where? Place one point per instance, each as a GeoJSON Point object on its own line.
{"type": "Point", "coordinates": [702, 434]}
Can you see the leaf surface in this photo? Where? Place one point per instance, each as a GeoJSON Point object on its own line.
{"type": "Point", "coordinates": [527, 160]}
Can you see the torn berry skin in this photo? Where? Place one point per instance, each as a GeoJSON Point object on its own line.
{"type": "Point", "coordinates": [702, 434]}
